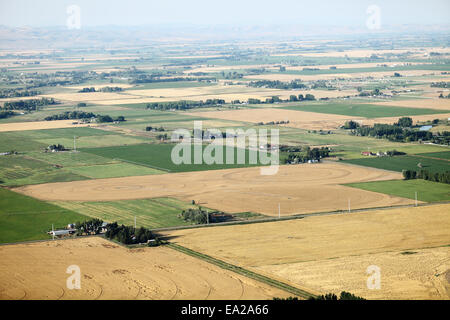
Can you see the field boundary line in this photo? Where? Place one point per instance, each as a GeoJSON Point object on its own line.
{"type": "Point", "coordinates": [299, 216]}
{"type": "Point", "coordinates": [244, 272]}
{"type": "Point", "coordinates": [143, 165]}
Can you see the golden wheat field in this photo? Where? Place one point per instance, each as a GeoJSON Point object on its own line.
{"type": "Point", "coordinates": [332, 253]}
{"type": "Point", "coordinates": [297, 188]}
{"type": "Point", "coordinates": [37, 271]}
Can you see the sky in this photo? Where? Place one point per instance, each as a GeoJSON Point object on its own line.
{"type": "Point", "coordinates": [45, 13]}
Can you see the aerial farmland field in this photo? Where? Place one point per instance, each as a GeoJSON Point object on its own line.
{"type": "Point", "coordinates": [342, 122]}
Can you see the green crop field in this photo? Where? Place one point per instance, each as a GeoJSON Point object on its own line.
{"type": "Point", "coordinates": [363, 110]}
{"type": "Point", "coordinates": [17, 170]}
{"type": "Point", "coordinates": [33, 140]}
{"type": "Point", "coordinates": [158, 156]}
{"type": "Point", "coordinates": [427, 191]}
{"type": "Point", "coordinates": [69, 158]}
{"type": "Point", "coordinates": [150, 213]}
{"type": "Point", "coordinates": [399, 163]}
{"type": "Point", "coordinates": [349, 146]}
{"type": "Point", "coordinates": [113, 170]}
{"type": "Point", "coordinates": [24, 218]}
{"type": "Point", "coordinates": [438, 155]}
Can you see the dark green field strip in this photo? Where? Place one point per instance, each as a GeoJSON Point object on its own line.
{"type": "Point", "coordinates": [158, 156]}
{"type": "Point", "coordinates": [244, 272]}
{"type": "Point", "coordinates": [400, 163]}
{"type": "Point", "coordinates": [445, 155]}
{"type": "Point", "coordinates": [427, 191]}
{"type": "Point", "coordinates": [23, 218]}
{"type": "Point", "coordinates": [363, 110]}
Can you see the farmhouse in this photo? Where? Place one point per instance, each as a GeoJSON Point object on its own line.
{"type": "Point", "coordinates": [62, 233]}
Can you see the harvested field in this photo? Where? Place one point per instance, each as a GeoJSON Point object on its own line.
{"type": "Point", "coordinates": [391, 120]}
{"type": "Point", "coordinates": [297, 119]}
{"type": "Point", "coordinates": [299, 189]}
{"type": "Point", "coordinates": [332, 253]}
{"type": "Point", "coordinates": [373, 74]}
{"type": "Point", "coordinates": [418, 274]}
{"type": "Point", "coordinates": [439, 104]}
{"type": "Point", "coordinates": [369, 52]}
{"type": "Point", "coordinates": [38, 125]}
{"type": "Point", "coordinates": [95, 97]}
{"type": "Point", "coordinates": [219, 91]}
{"type": "Point", "coordinates": [109, 271]}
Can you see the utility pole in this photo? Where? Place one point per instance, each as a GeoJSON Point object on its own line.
{"type": "Point", "coordinates": [349, 207]}
{"type": "Point", "coordinates": [279, 211]}
{"type": "Point", "coordinates": [207, 217]}
{"type": "Point", "coordinates": [416, 198]}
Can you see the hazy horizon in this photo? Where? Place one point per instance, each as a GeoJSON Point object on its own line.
{"type": "Point", "coordinates": [48, 13]}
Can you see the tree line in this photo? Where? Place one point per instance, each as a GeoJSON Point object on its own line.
{"type": "Point", "coordinates": [276, 84]}
{"type": "Point", "coordinates": [442, 177]}
{"type": "Point", "coordinates": [81, 115]}
{"type": "Point", "coordinates": [14, 93]}
{"type": "Point", "coordinates": [29, 105]}
{"type": "Point", "coordinates": [184, 104]}
{"type": "Point", "coordinates": [402, 131]}
{"type": "Point", "coordinates": [441, 84]}
{"type": "Point", "coordinates": [200, 216]}
{"type": "Point", "coordinates": [304, 154]}
{"type": "Point", "coordinates": [6, 114]}
{"type": "Point", "coordinates": [128, 234]}
{"type": "Point", "coordinates": [104, 89]}
{"type": "Point", "coordinates": [145, 78]}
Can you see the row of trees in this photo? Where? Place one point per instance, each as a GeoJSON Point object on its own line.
{"type": "Point", "coordinates": [14, 93]}
{"type": "Point", "coordinates": [145, 78]}
{"type": "Point", "coordinates": [70, 115]}
{"type": "Point", "coordinates": [128, 234]}
{"type": "Point", "coordinates": [200, 216]}
{"type": "Point", "coordinates": [104, 89]}
{"type": "Point", "coordinates": [81, 115]}
{"type": "Point", "coordinates": [184, 104]}
{"type": "Point", "coordinates": [275, 99]}
{"type": "Point", "coordinates": [443, 177]}
{"type": "Point", "coordinates": [401, 131]}
{"type": "Point", "coordinates": [89, 227]}
{"type": "Point", "coordinates": [150, 128]}
{"type": "Point", "coordinates": [301, 155]}
{"type": "Point", "coordinates": [441, 84]}
{"type": "Point", "coordinates": [276, 84]}
{"type": "Point", "coordinates": [6, 114]}
{"type": "Point", "coordinates": [197, 216]}
{"type": "Point", "coordinates": [273, 123]}
{"type": "Point", "coordinates": [29, 105]}
{"type": "Point", "coordinates": [375, 92]}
